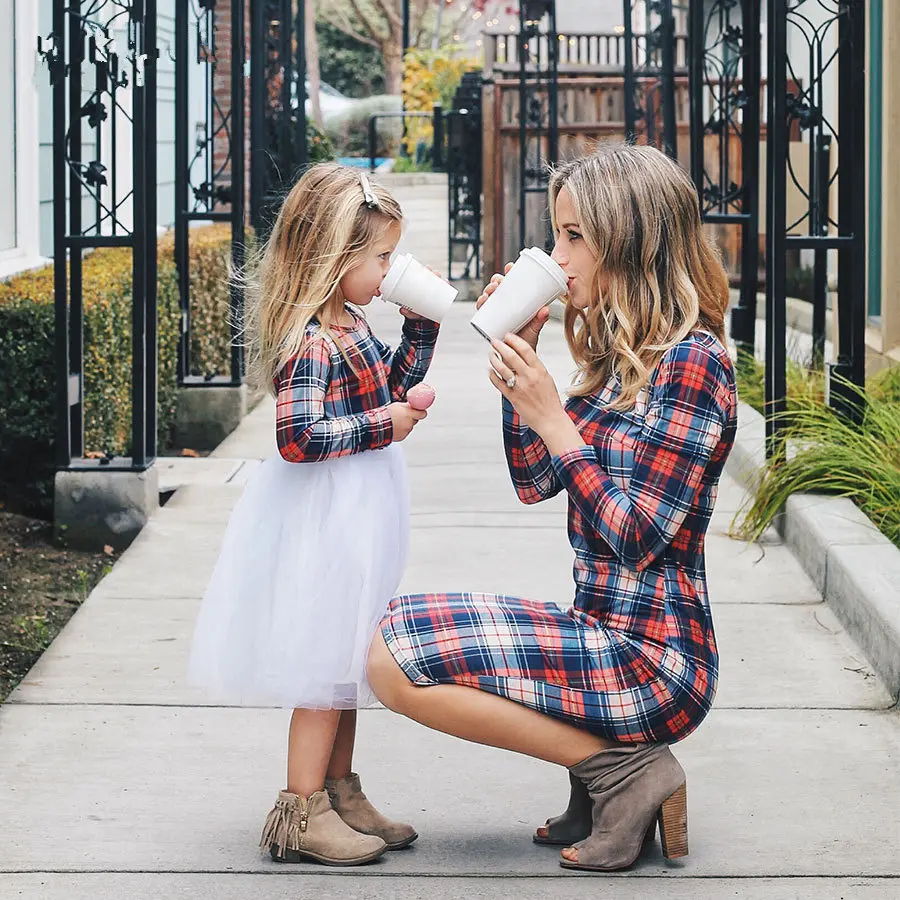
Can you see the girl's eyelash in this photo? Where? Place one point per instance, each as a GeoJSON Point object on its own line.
{"type": "Point", "coordinates": [574, 235]}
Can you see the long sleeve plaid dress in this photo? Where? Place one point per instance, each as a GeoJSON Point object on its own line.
{"type": "Point", "coordinates": [634, 658]}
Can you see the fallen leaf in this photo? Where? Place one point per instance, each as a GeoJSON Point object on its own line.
{"type": "Point", "coordinates": [108, 550]}
{"type": "Point", "coordinates": [188, 452]}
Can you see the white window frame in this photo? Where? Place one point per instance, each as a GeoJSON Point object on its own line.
{"type": "Point", "coordinates": [26, 254]}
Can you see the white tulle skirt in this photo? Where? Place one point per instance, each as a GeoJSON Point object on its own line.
{"type": "Point", "coordinates": [312, 555]}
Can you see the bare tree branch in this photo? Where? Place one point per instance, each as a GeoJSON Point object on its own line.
{"type": "Point", "coordinates": [337, 17]}
{"type": "Point", "coordinates": [367, 23]}
{"type": "Point", "coordinates": [394, 17]}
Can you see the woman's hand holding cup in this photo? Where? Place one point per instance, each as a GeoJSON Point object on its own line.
{"type": "Point", "coordinates": [532, 330]}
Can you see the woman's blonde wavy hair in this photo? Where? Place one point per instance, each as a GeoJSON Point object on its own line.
{"type": "Point", "coordinates": [324, 229]}
{"type": "Point", "coordinates": [657, 279]}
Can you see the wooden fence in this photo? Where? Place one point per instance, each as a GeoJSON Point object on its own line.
{"type": "Point", "coordinates": [591, 109]}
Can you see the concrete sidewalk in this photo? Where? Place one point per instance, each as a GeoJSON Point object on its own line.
{"type": "Point", "coordinates": [118, 781]}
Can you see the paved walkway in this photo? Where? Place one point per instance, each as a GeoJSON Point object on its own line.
{"type": "Point", "coordinates": [118, 781]}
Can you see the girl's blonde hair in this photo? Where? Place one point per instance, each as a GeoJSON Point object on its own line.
{"type": "Point", "coordinates": [657, 279]}
{"type": "Point", "coordinates": [326, 225]}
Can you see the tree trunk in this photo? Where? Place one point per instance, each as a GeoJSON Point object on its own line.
{"type": "Point", "coordinates": [393, 66]}
{"type": "Point", "coordinates": [312, 62]}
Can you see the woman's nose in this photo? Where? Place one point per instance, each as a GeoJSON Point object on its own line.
{"type": "Point", "coordinates": [559, 256]}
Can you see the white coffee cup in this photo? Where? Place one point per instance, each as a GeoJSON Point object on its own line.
{"type": "Point", "coordinates": [534, 281]}
{"type": "Point", "coordinates": [408, 283]}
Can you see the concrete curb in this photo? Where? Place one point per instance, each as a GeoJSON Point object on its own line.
{"type": "Point", "coordinates": [856, 568]}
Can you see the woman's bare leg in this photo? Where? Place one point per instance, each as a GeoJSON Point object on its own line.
{"type": "Point", "coordinates": [478, 716]}
{"type": "Point", "coordinates": [341, 763]}
{"type": "Point", "coordinates": [310, 745]}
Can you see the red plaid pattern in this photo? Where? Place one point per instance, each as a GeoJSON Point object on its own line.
{"type": "Point", "coordinates": [635, 657]}
{"type": "Point", "coordinates": [325, 407]}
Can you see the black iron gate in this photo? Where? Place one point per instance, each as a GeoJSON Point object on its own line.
{"type": "Point", "coordinates": [209, 174]}
{"type": "Point", "coordinates": [649, 70]}
{"type": "Point", "coordinates": [102, 58]}
{"type": "Point", "coordinates": [832, 33]}
{"type": "Point", "coordinates": [538, 51]}
{"type": "Point", "coordinates": [278, 148]}
{"type": "Point", "coordinates": [463, 128]}
{"type": "Point", "coordinates": [725, 109]}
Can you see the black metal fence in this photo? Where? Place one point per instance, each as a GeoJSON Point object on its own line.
{"type": "Point", "coordinates": [650, 76]}
{"type": "Point", "coordinates": [278, 142]}
{"type": "Point", "coordinates": [102, 58]}
{"type": "Point", "coordinates": [832, 35]}
{"type": "Point", "coordinates": [464, 163]}
{"type": "Point", "coordinates": [538, 103]}
{"type": "Point", "coordinates": [725, 109]}
{"type": "Point", "coordinates": [209, 174]}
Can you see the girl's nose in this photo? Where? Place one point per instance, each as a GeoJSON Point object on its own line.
{"type": "Point", "coordinates": [559, 256]}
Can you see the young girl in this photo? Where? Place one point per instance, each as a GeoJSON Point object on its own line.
{"type": "Point", "coordinates": [316, 545]}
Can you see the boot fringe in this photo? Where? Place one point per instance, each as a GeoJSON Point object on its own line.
{"type": "Point", "coordinates": [282, 828]}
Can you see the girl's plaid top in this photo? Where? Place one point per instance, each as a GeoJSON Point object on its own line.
{"type": "Point", "coordinates": [635, 656]}
{"type": "Point", "coordinates": [332, 399]}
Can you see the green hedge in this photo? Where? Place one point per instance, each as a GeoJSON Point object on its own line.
{"type": "Point", "coordinates": [27, 364]}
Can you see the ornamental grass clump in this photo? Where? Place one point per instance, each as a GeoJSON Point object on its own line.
{"type": "Point", "coordinates": [820, 451]}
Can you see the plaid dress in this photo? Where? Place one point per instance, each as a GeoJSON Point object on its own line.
{"type": "Point", "coordinates": [634, 658]}
{"type": "Point", "coordinates": [293, 601]}
{"type": "Point", "coordinates": [332, 400]}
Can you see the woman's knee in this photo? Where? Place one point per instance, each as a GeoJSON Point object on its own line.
{"type": "Point", "coordinates": [385, 677]}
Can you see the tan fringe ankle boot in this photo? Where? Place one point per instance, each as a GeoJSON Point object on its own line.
{"type": "Point", "coordinates": [352, 805]}
{"type": "Point", "coordinates": [299, 829]}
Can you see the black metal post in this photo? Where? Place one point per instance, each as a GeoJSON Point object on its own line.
{"type": "Point", "coordinates": [238, 183]}
{"type": "Point", "coordinates": [182, 177]}
{"type": "Point", "coordinates": [849, 368]}
{"type": "Point", "coordinates": [437, 151]}
{"type": "Point", "coordinates": [405, 35]}
{"type": "Point", "coordinates": [776, 212]}
{"type": "Point", "coordinates": [667, 78]}
{"type": "Point", "coordinates": [819, 226]}
{"type": "Point", "coordinates": [60, 249]}
{"type": "Point", "coordinates": [148, 211]}
{"type": "Point", "coordinates": [302, 155]}
{"type": "Point", "coordinates": [743, 316]}
{"type": "Point", "coordinates": [629, 85]}
{"type": "Point", "coordinates": [76, 310]}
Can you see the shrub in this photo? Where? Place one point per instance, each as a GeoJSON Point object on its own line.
{"type": "Point", "coordinates": [350, 132]}
{"type": "Point", "coordinates": [28, 364]}
{"type": "Point", "coordinates": [819, 451]}
{"type": "Point", "coordinates": [429, 77]}
{"type": "Point", "coordinates": [318, 145]}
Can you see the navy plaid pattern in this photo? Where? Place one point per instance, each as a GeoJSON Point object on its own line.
{"type": "Point", "coordinates": [635, 656]}
{"type": "Point", "coordinates": [332, 399]}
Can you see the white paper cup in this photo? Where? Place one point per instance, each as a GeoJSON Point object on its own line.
{"type": "Point", "coordinates": [408, 283]}
{"type": "Point", "coordinates": [534, 281]}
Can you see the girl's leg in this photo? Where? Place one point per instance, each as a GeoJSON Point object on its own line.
{"type": "Point", "coordinates": [311, 742]}
{"type": "Point", "coordinates": [347, 795]}
{"type": "Point", "coordinates": [478, 716]}
{"type": "Point", "coordinates": [341, 763]}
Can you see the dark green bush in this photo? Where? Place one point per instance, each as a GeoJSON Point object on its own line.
{"type": "Point", "coordinates": [28, 365]}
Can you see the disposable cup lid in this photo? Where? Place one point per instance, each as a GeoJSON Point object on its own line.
{"type": "Point", "coordinates": [549, 265]}
{"type": "Point", "coordinates": [395, 273]}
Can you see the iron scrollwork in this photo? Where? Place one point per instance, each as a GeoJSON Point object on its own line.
{"type": "Point", "coordinates": [209, 178]}
{"type": "Point", "coordinates": [102, 61]}
{"type": "Point", "coordinates": [538, 103]}
{"type": "Point", "coordinates": [832, 36]}
{"type": "Point", "coordinates": [649, 76]}
{"type": "Point", "coordinates": [725, 111]}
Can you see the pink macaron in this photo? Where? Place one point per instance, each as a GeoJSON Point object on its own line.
{"type": "Point", "coordinates": [421, 396]}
